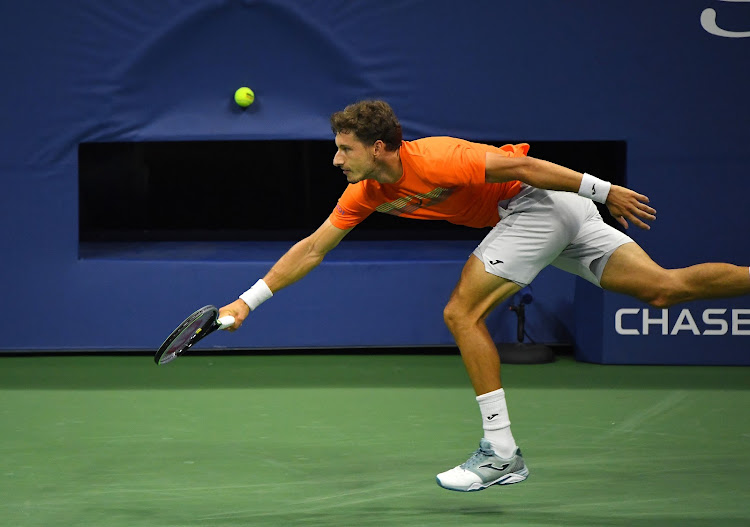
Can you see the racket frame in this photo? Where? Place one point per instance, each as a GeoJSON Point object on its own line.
{"type": "Point", "coordinates": [211, 324]}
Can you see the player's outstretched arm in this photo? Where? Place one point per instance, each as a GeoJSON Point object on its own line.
{"type": "Point", "coordinates": [623, 203]}
{"type": "Point", "coordinates": [303, 257]}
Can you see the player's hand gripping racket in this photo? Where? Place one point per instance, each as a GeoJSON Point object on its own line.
{"type": "Point", "coordinates": [195, 328]}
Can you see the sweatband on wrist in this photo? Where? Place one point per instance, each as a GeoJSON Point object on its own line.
{"type": "Point", "coordinates": [256, 295]}
{"type": "Point", "coordinates": [594, 188]}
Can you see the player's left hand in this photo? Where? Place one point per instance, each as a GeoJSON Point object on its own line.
{"type": "Point", "coordinates": [625, 204]}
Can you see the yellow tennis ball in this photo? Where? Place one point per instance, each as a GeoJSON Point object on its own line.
{"type": "Point", "coordinates": [244, 97]}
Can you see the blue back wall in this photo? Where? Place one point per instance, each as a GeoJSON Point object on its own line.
{"type": "Point", "coordinates": [648, 73]}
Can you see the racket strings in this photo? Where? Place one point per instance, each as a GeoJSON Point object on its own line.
{"type": "Point", "coordinates": [192, 330]}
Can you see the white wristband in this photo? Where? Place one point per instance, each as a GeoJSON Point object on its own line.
{"type": "Point", "coordinates": [594, 188]}
{"type": "Point", "coordinates": [256, 295]}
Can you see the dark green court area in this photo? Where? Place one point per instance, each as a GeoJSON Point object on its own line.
{"type": "Point", "coordinates": [356, 440]}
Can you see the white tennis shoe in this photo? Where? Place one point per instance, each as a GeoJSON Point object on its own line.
{"type": "Point", "coordinates": [483, 469]}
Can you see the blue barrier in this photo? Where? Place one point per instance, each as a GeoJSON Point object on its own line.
{"type": "Point", "coordinates": [669, 79]}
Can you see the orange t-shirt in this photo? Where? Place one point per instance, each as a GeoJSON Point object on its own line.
{"type": "Point", "coordinates": [443, 179]}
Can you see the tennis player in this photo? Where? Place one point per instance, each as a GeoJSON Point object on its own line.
{"type": "Point", "coordinates": [541, 213]}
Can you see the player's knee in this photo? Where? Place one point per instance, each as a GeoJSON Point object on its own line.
{"type": "Point", "coordinates": [655, 296]}
{"type": "Point", "coordinates": [454, 315]}
{"type": "Point", "coordinates": [665, 292]}
{"type": "Point", "coordinates": [450, 315]}
{"type": "Point", "coordinates": [459, 319]}
{"type": "Point", "coordinates": [660, 302]}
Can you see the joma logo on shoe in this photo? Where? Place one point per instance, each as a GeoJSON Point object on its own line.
{"type": "Point", "coordinates": [493, 467]}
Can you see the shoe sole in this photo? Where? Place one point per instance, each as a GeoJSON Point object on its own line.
{"type": "Point", "coordinates": [507, 479]}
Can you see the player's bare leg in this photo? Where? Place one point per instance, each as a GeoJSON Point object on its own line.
{"type": "Point", "coordinates": [498, 461]}
{"type": "Point", "coordinates": [632, 272]}
{"type": "Point", "coordinates": [476, 295]}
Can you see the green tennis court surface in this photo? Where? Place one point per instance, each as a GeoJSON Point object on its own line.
{"type": "Point", "coordinates": [329, 440]}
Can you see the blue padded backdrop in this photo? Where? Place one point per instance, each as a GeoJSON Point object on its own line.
{"type": "Point", "coordinates": [669, 78]}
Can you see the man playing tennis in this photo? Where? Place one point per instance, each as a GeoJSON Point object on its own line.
{"type": "Point", "coordinates": [541, 214]}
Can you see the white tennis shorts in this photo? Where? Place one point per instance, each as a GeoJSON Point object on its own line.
{"type": "Point", "coordinates": [539, 227]}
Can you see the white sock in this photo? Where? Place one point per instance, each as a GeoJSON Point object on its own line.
{"type": "Point", "coordinates": [496, 423]}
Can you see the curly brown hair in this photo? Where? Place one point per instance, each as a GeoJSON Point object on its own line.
{"type": "Point", "coordinates": [369, 121]}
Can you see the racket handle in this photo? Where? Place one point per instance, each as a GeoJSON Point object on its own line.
{"type": "Point", "coordinates": [226, 321]}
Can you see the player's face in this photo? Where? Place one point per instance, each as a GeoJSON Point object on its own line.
{"type": "Point", "coordinates": [354, 158]}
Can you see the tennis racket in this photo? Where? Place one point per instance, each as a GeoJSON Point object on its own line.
{"type": "Point", "coordinates": [193, 329]}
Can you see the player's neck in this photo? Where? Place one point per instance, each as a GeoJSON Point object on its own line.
{"type": "Point", "coordinates": [391, 168]}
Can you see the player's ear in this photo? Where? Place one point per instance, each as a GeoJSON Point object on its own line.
{"type": "Point", "coordinates": [379, 147]}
